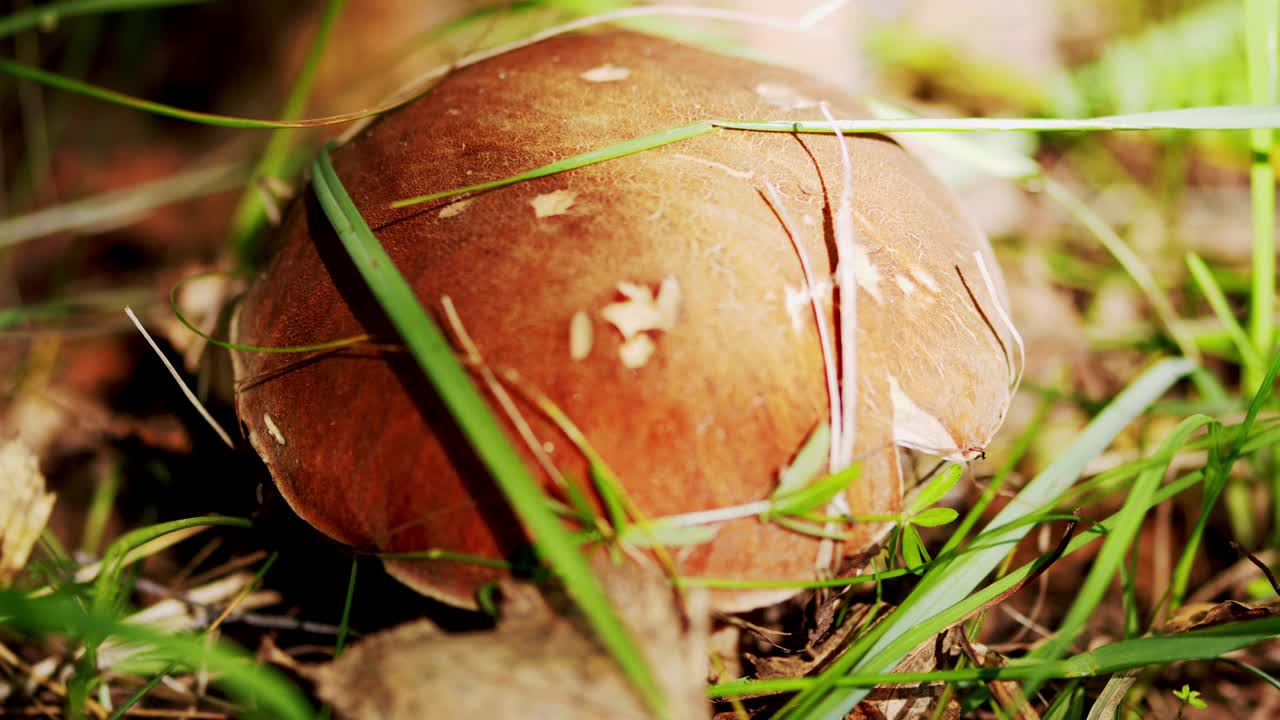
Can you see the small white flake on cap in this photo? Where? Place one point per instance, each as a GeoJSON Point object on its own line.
{"type": "Point", "coordinates": [272, 429]}
{"type": "Point", "coordinates": [642, 313]}
{"type": "Point", "coordinates": [635, 353]}
{"type": "Point", "coordinates": [580, 336]}
{"type": "Point", "coordinates": [454, 208]}
{"type": "Point", "coordinates": [915, 428]}
{"type": "Point", "coordinates": [553, 203]}
{"type": "Point", "coordinates": [784, 96]}
{"type": "Point", "coordinates": [606, 73]}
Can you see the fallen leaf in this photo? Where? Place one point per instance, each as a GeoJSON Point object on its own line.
{"type": "Point", "coordinates": [890, 702]}
{"type": "Point", "coordinates": [1201, 615]}
{"type": "Point", "coordinates": [916, 701]}
{"type": "Point", "coordinates": [536, 663]}
{"type": "Point", "coordinates": [24, 507]}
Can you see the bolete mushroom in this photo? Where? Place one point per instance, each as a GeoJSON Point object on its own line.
{"type": "Point", "coordinates": [655, 298]}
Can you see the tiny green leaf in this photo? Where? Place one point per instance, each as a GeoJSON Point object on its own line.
{"type": "Point", "coordinates": [937, 488]}
{"type": "Point", "coordinates": [814, 495]}
{"type": "Point", "coordinates": [933, 517]}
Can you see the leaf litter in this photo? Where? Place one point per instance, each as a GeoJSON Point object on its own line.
{"type": "Point", "coordinates": [540, 661]}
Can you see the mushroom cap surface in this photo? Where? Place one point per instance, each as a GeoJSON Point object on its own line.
{"type": "Point", "coordinates": [732, 379]}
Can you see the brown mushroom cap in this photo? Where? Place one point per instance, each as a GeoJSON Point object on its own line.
{"type": "Point", "coordinates": [361, 448]}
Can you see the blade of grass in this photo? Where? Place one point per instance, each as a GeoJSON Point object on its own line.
{"type": "Point", "coordinates": [1262, 29]}
{"type": "Point", "coordinates": [1220, 117]}
{"type": "Point", "coordinates": [105, 594]}
{"type": "Point", "coordinates": [344, 623]}
{"type": "Point", "coordinates": [1216, 471]}
{"type": "Point", "coordinates": [1249, 356]}
{"type": "Point", "coordinates": [62, 82]}
{"type": "Point", "coordinates": [1120, 540]}
{"type": "Point", "coordinates": [249, 214]}
{"type": "Point", "coordinates": [1203, 644]}
{"type": "Point", "coordinates": [1019, 449]}
{"type": "Point", "coordinates": [1129, 260]}
{"type": "Point", "coordinates": [248, 682]}
{"type": "Point", "coordinates": [119, 207]}
{"type": "Point", "coordinates": [617, 150]}
{"type": "Point", "coordinates": [48, 15]}
{"type": "Point", "coordinates": [947, 588]}
{"type": "Point", "coordinates": [466, 404]}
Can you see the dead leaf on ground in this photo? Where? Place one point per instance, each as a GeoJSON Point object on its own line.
{"type": "Point", "coordinates": [537, 663]}
{"type": "Point", "coordinates": [24, 507]}
{"type": "Point", "coordinates": [894, 702]}
{"type": "Point", "coordinates": [916, 701]}
{"type": "Point", "coordinates": [1194, 616]}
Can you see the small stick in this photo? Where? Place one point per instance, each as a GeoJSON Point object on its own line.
{"type": "Point", "coordinates": [195, 402]}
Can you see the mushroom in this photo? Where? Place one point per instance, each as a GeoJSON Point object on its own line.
{"type": "Point", "coordinates": [654, 298]}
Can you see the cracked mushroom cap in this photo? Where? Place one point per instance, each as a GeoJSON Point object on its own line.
{"type": "Point", "coordinates": [655, 298]}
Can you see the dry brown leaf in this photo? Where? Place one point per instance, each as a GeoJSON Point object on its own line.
{"type": "Point", "coordinates": [916, 701]}
{"type": "Point", "coordinates": [24, 507]}
{"type": "Point", "coordinates": [814, 657]}
{"type": "Point", "coordinates": [535, 664]}
{"type": "Point", "coordinates": [1201, 615]}
{"type": "Point", "coordinates": [898, 702]}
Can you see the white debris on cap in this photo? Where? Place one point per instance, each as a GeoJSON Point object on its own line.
{"type": "Point", "coordinates": [454, 208]}
{"type": "Point", "coordinates": [924, 278]}
{"type": "Point", "coordinates": [865, 273]}
{"type": "Point", "coordinates": [731, 172]}
{"type": "Point", "coordinates": [580, 336]}
{"type": "Point", "coordinates": [668, 302]}
{"type": "Point", "coordinates": [799, 301]}
{"type": "Point", "coordinates": [607, 72]}
{"type": "Point", "coordinates": [642, 313]}
{"type": "Point", "coordinates": [635, 353]}
{"type": "Point", "coordinates": [904, 284]}
{"type": "Point", "coordinates": [915, 428]}
{"type": "Point", "coordinates": [784, 96]}
{"type": "Point", "coordinates": [553, 203]}
{"type": "Point", "coordinates": [272, 429]}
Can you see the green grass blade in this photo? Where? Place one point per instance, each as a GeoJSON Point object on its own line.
{"type": "Point", "coordinates": [1221, 117]}
{"type": "Point", "coordinates": [250, 213]}
{"type": "Point", "coordinates": [106, 594]}
{"type": "Point", "coordinates": [1215, 481]}
{"type": "Point", "coordinates": [1262, 34]}
{"type": "Point", "coordinates": [115, 208]}
{"type": "Point", "coordinates": [1226, 117]}
{"type": "Point", "coordinates": [1249, 356]}
{"type": "Point", "coordinates": [1016, 453]}
{"type": "Point", "coordinates": [617, 150]}
{"type": "Point", "coordinates": [1120, 540]}
{"type": "Point", "coordinates": [948, 588]}
{"type": "Point", "coordinates": [344, 623]}
{"type": "Point", "coordinates": [1129, 260]}
{"type": "Point", "coordinates": [472, 413]}
{"type": "Point", "coordinates": [68, 84]}
{"type": "Point", "coordinates": [1204, 644]}
{"type": "Point", "coordinates": [248, 682]}
{"type": "Point", "coordinates": [43, 16]}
